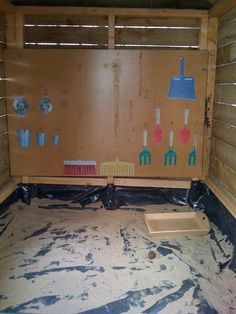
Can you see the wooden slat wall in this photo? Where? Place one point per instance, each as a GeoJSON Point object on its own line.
{"type": "Point", "coordinates": [223, 149]}
{"type": "Point", "coordinates": [4, 153]}
{"type": "Point", "coordinates": [130, 32]}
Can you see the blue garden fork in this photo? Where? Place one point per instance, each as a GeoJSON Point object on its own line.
{"type": "Point", "coordinates": [145, 157]}
{"type": "Point", "coordinates": [170, 156]}
{"type": "Point", "coordinates": [193, 154]}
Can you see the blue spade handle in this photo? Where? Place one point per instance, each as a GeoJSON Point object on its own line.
{"type": "Point", "coordinates": [182, 67]}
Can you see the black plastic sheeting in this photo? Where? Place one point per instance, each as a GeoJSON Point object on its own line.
{"type": "Point", "coordinates": [198, 197]}
{"type": "Point", "coordinates": [111, 197]}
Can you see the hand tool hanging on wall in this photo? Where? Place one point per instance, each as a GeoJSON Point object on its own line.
{"type": "Point", "coordinates": [193, 154]}
{"type": "Point", "coordinates": [182, 87]}
{"type": "Point", "coordinates": [24, 137]}
{"type": "Point", "coordinates": [20, 106]}
{"type": "Point", "coordinates": [117, 168]}
{"type": "Point", "coordinates": [145, 157]}
{"type": "Point", "coordinates": [45, 105]}
{"type": "Point", "coordinates": [79, 167]}
{"type": "Point", "coordinates": [158, 131]}
{"type": "Point", "coordinates": [170, 156]}
{"type": "Point", "coordinates": [185, 132]}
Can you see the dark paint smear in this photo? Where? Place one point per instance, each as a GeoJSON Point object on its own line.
{"type": "Point", "coordinates": [54, 263]}
{"type": "Point", "coordinates": [4, 216]}
{"type": "Point", "coordinates": [46, 300]}
{"type": "Point", "coordinates": [28, 262]}
{"type": "Point", "coordinates": [118, 267]}
{"type": "Point", "coordinates": [45, 249]}
{"type": "Point", "coordinates": [124, 234]}
{"type": "Point", "coordinates": [203, 306]}
{"type": "Point", "coordinates": [133, 209]}
{"type": "Point", "coordinates": [5, 228]}
{"type": "Point", "coordinates": [40, 231]}
{"type": "Point", "coordinates": [58, 232]}
{"type": "Point", "coordinates": [3, 297]}
{"type": "Point", "coordinates": [84, 295]}
{"type": "Point", "coordinates": [129, 300]}
{"type": "Point", "coordinates": [172, 297]}
{"type": "Point", "coordinates": [80, 230]}
{"type": "Point", "coordinates": [163, 267]}
{"type": "Point", "coordinates": [89, 257]}
{"type": "Point", "coordinates": [107, 241]}
{"type": "Point", "coordinates": [213, 237]}
{"type": "Point", "coordinates": [82, 269]}
{"type": "Point", "coordinates": [164, 251]}
{"type": "Point", "coordinates": [171, 246]}
{"type": "Point", "coordinates": [150, 244]}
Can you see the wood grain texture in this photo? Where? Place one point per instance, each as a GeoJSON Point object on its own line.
{"type": "Point", "coordinates": [102, 100]}
{"type": "Point", "coordinates": [173, 37]}
{"type": "Point", "coordinates": [226, 53]}
{"type": "Point", "coordinates": [225, 113]}
{"type": "Point", "coordinates": [225, 132]}
{"type": "Point", "coordinates": [225, 94]}
{"type": "Point", "coordinates": [225, 153]}
{"type": "Point", "coordinates": [225, 175]}
{"type": "Point", "coordinates": [226, 74]}
{"type": "Point", "coordinates": [222, 7]}
{"type": "Point", "coordinates": [225, 196]}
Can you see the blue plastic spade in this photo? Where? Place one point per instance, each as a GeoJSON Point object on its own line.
{"type": "Point", "coordinates": [182, 87]}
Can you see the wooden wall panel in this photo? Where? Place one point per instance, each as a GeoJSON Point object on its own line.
{"type": "Point", "coordinates": [223, 149]}
{"type": "Point", "coordinates": [102, 100]}
{"type": "Point", "coordinates": [4, 152]}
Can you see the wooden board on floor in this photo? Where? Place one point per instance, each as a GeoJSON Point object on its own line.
{"type": "Point", "coordinates": [101, 102]}
{"type": "Point", "coordinates": [177, 224]}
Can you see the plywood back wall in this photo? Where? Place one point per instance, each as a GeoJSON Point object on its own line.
{"type": "Point", "coordinates": [101, 101]}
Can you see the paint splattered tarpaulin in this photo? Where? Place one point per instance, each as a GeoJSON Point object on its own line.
{"type": "Point", "coordinates": [95, 261]}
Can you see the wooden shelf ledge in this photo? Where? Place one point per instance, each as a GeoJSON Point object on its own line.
{"type": "Point", "coordinates": [225, 196]}
{"type": "Point", "coordinates": [8, 188]}
{"type": "Point", "coordinates": [102, 181]}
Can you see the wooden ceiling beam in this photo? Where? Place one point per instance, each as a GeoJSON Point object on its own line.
{"type": "Point", "coordinates": [114, 11]}
{"type": "Point", "coordinates": [222, 7]}
{"type": "Point", "coordinates": [6, 6]}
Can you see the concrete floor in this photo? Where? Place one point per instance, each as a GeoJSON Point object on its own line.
{"type": "Point", "coordinates": [95, 261]}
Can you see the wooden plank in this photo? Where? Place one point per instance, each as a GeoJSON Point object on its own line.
{"type": "Point", "coordinates": [117, 114]}
{"type": "Point", "coordinates": [9, 186]}
{"type": "Point", "coordinates": [4, 161]}
{"type": "Point", "coordinates": [225, 94]}
{"type": "Point", "coordinates": [225, 153]}
{"type": "Point", "coordinates": [186, 13]}
{"type": "Point", "coordinates": [65, 180]}
{"type": "Point", "coordinates": [3, 124]}
{"type": "Point", "coordinates": [11, 30]}
{"type": "Point", "coordinates": [177, 184]}
{"type": "Point", "coordinates": [173, 37]}
{"type": "Point", "coordinates": [177, 224]}
{"type": "Point", "coordinates": [67, 35]}
{"type": "Point", "coordinates": [226, 74]}
{"type": "Point", "coordinates": [203, 33]}
{"type": "Point", "coordinates": [3, 110]}
{"type": "Point", "coordinates": [225, 175]}
{"type": "Point", "coordinates": [6, 6]}
{"type": "Point", "coordinates": [225, 132]}
{"type": "Point", "coordinates": [66, 20]}
{"type": "Point", "coordinates": [20, 23]}
{"type": "Point", "coordinates": [227, 34]}
{"type": "Point", "coordinates": [111, 31]}
{"type": "Point", "coordinates": [212, 50]}
{"type": "Point", "coordinates": [226, 54]}
{"type": "Point", "coordinates": [227, 17]}
{"type": "Point", "coordinates": [157, 21]}
{"type": "Point", "coordinates": [3, 143]}
{"type": "Point", "coordinates": [4, 177]}
{"type": "Point", "coordinates": [222, 7]}
{"type": "Point", "coordinates": [226, 197]}
{"type": "Point", "coordinates": [225, 113]}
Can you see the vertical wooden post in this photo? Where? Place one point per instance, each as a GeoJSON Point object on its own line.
{"type": "Point", "coordinates": [15, 30]}
{"type": "Point", "coordinates": [203, 33]}
{"type": "Point", "coordinates": [111, 31]}
{"type": "Point", "coordinates": [212, 50]}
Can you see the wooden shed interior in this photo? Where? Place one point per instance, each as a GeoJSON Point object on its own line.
{"type": "Point", "coordinates": [119, 93]}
